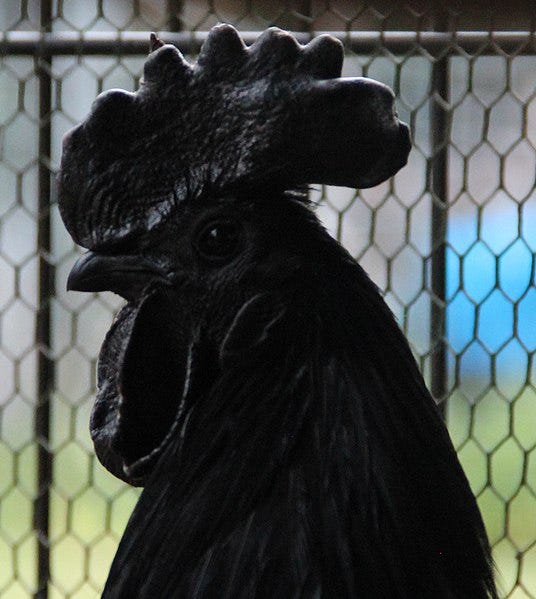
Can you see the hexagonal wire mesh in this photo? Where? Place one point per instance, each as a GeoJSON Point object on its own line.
{"type": "Point", "coordinates": [449, 240]}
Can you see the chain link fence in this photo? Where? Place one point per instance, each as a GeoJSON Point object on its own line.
{"type": "Point", "coordinates": [450, 240]}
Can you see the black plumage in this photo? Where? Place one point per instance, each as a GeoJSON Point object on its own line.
{"type": "Point", "coordinates": [256, 384]}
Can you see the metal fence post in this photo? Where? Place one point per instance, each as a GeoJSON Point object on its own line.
{"type": "Point", "coordinates": [437, 174]}
{"type": "Point", "coordinates": [45, 368]}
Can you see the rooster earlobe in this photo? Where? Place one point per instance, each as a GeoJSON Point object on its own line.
{"type": "Point", "coordinates": [253, 330]}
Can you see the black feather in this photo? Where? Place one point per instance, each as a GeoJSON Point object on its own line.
{"type": "Point", "coordinates": [316, 464]}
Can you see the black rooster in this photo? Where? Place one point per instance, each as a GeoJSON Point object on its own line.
{"type": "Point", "coordinates": [256, 383]}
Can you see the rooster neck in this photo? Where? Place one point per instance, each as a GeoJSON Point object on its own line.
{"type": "Point", "coordinates": [323, 467]}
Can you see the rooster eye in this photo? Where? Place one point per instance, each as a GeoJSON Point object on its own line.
{"type": "Point", "coordinates": [219, 241]}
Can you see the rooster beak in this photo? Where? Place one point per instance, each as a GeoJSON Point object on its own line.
{"type": "Point", "coordinates": [125, 275]}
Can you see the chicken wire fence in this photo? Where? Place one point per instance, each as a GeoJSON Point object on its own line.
{"type": "Point", "coordinates": [450, 241]}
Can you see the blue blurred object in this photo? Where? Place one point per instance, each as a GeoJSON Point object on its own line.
{"type": "Point", "coordinates": [491, 304]}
